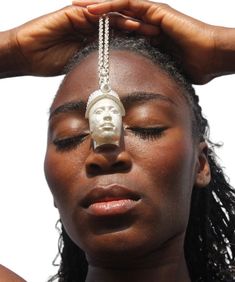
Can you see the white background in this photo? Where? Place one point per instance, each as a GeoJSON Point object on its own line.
{"type": "Point", "coordinates": [28, 239]}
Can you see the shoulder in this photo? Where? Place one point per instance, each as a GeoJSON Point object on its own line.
{"type": "Point", "coordinates": [7, 275]}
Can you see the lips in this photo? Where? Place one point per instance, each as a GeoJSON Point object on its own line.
{"type": "Point", "coordinates": [109, 200]}
{"type": "Point", "coordinates": [107, 126]}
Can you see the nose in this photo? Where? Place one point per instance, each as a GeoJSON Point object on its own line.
{"type": "Point", "coordinates": [108, 159]}
{"type": "Point", "coordinates": [107, 116]}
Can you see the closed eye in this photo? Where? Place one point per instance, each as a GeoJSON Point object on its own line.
{"type": "Point", "coordinates": [69, 143]}
{"type": "Point", "coordinates": [149, 133]}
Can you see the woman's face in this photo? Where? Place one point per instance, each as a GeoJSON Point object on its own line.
{"type": "Point", "coordinates": [133, 199]}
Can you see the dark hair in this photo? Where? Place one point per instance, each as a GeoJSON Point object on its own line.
{"type": "Point", "coordinates": [209, 243]}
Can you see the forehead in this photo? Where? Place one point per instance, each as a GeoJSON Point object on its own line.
{"type": "Point", "coordinates": [105, 103]}
{"type": "Point", "coordinates": [129, 73]}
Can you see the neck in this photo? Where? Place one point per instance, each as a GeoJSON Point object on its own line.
{"type": "Point", "coordinates": [170, 272]}
{"type": "Point", "coordinates": [162, 265]}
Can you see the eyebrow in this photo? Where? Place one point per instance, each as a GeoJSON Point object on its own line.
{"type": "Point", "coordinates": [128, 101]}
{"type": "Point", "coordinates": [144, 97]}
{"type": "Point", "coordinates": [77, 106]}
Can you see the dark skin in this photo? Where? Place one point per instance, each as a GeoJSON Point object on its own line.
{"type": "Point", "coordinates": [205, 51]}
{"type": "Point", "coordinates": [8, 275]}
{"type": "Point", "coordinates": [43, 46]}
{"type": "Point", "coordinates": [144, 243]}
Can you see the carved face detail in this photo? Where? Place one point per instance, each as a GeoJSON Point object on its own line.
{"type": "Point", "coordinates": [105, 122]}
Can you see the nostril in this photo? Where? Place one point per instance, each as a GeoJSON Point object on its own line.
{"type": "Point", "coordinates": [120, 165]}
{"type": "Point", "coordinates": [95, 168]}
{"type": "Point", "coordinates": [107, 118]}
{"type": "Point", "coordinates": [108, 160]}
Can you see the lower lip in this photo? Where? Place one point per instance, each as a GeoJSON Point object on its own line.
{"type": "Point", "coordinates": [114, 207]}
{"type": "Point", "coordinates": [107, 127]}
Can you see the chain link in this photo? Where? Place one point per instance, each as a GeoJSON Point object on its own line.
{"type": "Point", "coordinates": [103, 60]}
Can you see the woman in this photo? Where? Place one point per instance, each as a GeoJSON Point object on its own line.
{"type": "Point", "coordinates": [143, 241]}
{"type": "Point", "coordinates": [182, 163]}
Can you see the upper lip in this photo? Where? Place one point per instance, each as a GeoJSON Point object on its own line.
{"type": "Point", "coordinates": [108, 193]}
{"type": "Point", "coordinates": [107, 124]}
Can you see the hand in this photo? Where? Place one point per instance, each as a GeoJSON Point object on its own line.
{"type": "Point", "coordinates": [43, 46]}
{"type": "Point", "coordinates": [188, 39]}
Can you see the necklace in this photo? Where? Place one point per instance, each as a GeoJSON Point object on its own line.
{"type": "Point", "coordinates": [103, 60]}
{"type": "Point", "coordinates": [104, 108]}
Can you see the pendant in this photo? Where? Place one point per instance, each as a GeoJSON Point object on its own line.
{"type": "Point", "coordinates": [104, 108]}
{"type": "Point", "coordinates": [105, 111]}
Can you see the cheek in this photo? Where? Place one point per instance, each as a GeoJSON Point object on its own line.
{"type": "Point", "coordinates": [167, 156]}
{"type": "Point", "coordinates": [94, 121]}
{"type": "Point", "coordinates": [167, 166]}
{"type": "Point", "coordinates": [117, 119]}
{"type": "Point", "coordinates": [62, 171]}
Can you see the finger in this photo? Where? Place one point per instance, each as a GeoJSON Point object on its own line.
{"type": "Point", "coordinates": [103, 7]}
{"type": "Point", "coordinates": [82, 20]}
{"type": "Point", "coordinates": [150, 12]}
{"type": "Point", "coordinates": [84, 3]}
{"type": "Point", "coordinates": [129, 24]}
{"type": "Point", "coordinates": [129, 14]}
{"type": "Point", "coordinates": [147, 11]}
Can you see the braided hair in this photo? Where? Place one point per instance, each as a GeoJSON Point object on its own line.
{"type": "Point", "coordinates": [210, 238]}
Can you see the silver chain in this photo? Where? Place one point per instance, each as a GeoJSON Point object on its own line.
{"type": "Point", "coordinates": [103, 60]}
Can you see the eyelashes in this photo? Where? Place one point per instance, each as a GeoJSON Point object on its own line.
{"type": "Point", "coordinates": [145, 133]}
{"type": "Point", "coordinates": [69, 143]}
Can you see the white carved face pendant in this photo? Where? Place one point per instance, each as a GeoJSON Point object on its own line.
{"type": "Point", "coordinates": [105, 122]}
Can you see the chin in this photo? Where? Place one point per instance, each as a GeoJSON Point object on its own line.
{"type": "Point", "coordinates": [118, 246]}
